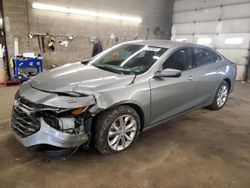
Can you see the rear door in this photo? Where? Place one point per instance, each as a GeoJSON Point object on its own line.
{"type": "Point", "coordinates": [207, 75]}
{"type": "Point", "coordinates": [171, 96]}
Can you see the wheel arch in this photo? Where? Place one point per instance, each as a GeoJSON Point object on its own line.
{"type": "Point", "coordinates": [133, 105]}
{"type": "Point", "coordinates": [228, 82]}
{"type": "Point", "coordinates": [139, 111]}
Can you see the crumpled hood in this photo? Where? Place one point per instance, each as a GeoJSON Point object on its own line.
{"type": "Point", "coordinates": [78, 77]}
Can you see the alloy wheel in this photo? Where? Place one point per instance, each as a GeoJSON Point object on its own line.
{"type": "Point", "coordinates": [122, 132]}
{"type": "Point", "coordinates": [222, 95]}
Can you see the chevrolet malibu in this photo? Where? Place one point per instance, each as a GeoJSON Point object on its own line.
{"type": "Point", "coordinates": [112, 97]}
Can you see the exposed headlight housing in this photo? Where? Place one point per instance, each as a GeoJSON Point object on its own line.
{"type": "Point", "coordinates": [71, 121]}
{"type": "Point", "coordinates": [70, 125]}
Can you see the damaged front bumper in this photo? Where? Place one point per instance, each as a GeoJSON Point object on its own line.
{"type": "Point", "coordinates": [50, 136]}
{"type": "Point", "coordinates": [34, 124]}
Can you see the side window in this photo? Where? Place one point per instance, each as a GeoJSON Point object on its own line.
{"type": "Point", "coordinates": [217, 58]}
{"type": "Point", "coordinates": [204, 57]}
{"type": "Point", "coordinates": [180, 60]}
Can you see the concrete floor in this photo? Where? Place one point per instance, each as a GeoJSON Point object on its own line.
{"type": "Point", "coordinates": [202, 149]}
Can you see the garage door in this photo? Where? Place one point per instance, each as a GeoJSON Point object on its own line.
{"type": "Point", "coordinates": [220, 24]}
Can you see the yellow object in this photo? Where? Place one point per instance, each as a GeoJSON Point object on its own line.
{"type": "Point", "coordinates": [11, 63]}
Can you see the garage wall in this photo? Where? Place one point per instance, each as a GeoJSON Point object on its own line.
{"type": "Point", "coordinates": [218, 20]}
{"type": "Point", "coordinates": [20, 19]}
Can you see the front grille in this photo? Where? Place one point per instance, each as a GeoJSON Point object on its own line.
{"type": "Point", "coordinates": [23, 122]}
{"type": "Point", "coordinates": [28, 104]}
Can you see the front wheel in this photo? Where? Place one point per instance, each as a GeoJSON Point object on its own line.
{"type": "Point", "coordinates": [221, 96]}
{"type": "Point", "coordinates": [116, 129]}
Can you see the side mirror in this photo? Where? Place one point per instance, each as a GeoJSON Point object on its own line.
{"type": "Point", "coordinates": [168, 73]}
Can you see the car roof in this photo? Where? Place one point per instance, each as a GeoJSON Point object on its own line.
{"type": "Point", "coordinates": [164, 43]}
{"type": "Point", "coordinates": [171, 44]}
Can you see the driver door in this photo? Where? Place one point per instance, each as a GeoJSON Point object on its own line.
{"type": "Point", "coordinates": [173, 95]}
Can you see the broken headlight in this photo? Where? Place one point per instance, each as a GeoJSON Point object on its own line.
{"type": "Point", "coordinates": [66, 125]}
{"type": "Point", "coordinates": [71, 121]}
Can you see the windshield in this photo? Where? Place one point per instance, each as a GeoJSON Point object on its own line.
{"type": "Point", "coordinates": [128, 59]}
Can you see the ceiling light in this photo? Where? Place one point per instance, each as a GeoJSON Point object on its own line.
{"type": "Point", "coordinates": [111, 16]}
{"type": "Point", "coordinates": [50, 7]}
{"type": "Point", "coordinates": [62, 9]}
{"type": "Point", "coordinates": [181, 40]}
{"type": "Point", "coordinates": [204, 41]}
{"type": "Point", "coordinates": [236, 40]}
{"type": "Point", "coordinates": [82, 12]}
{"type": "Point", "coordinates": [132, 19]}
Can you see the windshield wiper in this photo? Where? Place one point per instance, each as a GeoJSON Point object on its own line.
{"type": "Point", "coordinates": [109, 68]}
{"type": "Point", "coordinates": [71, 94]}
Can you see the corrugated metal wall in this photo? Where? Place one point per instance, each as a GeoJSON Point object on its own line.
{"type": "Point", "coordinates": [220, 24]}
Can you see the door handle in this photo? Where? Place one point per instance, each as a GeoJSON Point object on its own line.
{"type": "Point", "coordinates": [190, 78]}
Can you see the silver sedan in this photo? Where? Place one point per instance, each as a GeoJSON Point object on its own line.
{"type": "Point", "coordinates": [112, 97]}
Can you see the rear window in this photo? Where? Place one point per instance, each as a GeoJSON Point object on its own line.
{"type": "Point", "coordinates": [204, 57]}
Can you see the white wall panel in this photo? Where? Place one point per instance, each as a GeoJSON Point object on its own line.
{"type": "Point", "coordinates": [237, 56]}
{"type": "Point", "coordinates": [236, 11]}
{"type": "Point", "coordinates": [234, 26]}
{"type": "Point", "coordinates": [229, 2]}
{"type": "Point", "coordinates": [213, 27]}
{"type": "Point", "coordinates": [208, 14]}
{"type": "Point", "coordinates": [182, 29]}
{"type": "Point", "coordinates": [208, 3]}
{"type": "Point", "coordinates": [241, 72]}
{"type": "Point", "coordinates": [200, 15]}
{"type": "Point", "coordinates": [181, 5]}
{"type": "Point", "coordinates": [183, 17]}
{"type": "Point", "coordinates": [205, 28]}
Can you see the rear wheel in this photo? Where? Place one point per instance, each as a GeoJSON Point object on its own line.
{"type": "Point", "coordinates": [116, 129]}
{"type": "Point", "coordinates": [221, 96]}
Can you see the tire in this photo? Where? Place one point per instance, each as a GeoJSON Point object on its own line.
{"type": "Point", "coordinates": [219, 105]}
{"type": "Point", "coordinates": [109, 128]}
